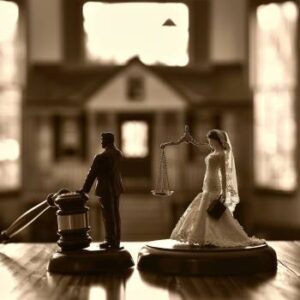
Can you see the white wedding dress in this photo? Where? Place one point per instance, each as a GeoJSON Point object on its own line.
{"type": "Point", "coordinates": [198, 228]}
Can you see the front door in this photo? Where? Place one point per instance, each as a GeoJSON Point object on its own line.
{"type": "Point", "coordinates": [135, 132]}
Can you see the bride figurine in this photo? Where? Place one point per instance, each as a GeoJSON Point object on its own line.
{"type": "Point", "coordinates": [196, 226]}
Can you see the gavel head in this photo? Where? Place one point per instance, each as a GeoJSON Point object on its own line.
{"type": "Point", "coordinates": [72, 221]}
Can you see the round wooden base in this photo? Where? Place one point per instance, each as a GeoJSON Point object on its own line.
{"type": "Point", "coordinates": [90, 260]}
{"type": "Point", "coordinates": [172, 257]}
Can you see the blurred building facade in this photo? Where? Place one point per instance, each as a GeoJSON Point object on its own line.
{"type": "Point", "coordinates": [69, 98]}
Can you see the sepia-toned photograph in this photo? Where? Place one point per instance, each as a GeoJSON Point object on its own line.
{"type": "Point", "coordinates": [149, 149]}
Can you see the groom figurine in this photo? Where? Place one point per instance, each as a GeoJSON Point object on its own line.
{"type": "Point", "coordinates": [106, 169]}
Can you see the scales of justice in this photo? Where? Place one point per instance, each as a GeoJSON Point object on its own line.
{"type": "Point", "coordinates": [162, 187]}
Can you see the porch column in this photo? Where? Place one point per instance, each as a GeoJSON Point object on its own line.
{"type": "Point", "coordinates": [112, 126]}
{"type": "Point", "coordinates": [158, 138]}
{"type": "Point", "coordinates": [30, 148]}
{"type": "Point", "coordinates": [93, 136]}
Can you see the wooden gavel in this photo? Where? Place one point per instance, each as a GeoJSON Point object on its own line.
{"type": "Point", "coordinates": [72, 219]}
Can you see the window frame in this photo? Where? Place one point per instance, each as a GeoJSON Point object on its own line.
{"type": "Point", "coordinates": [22, 35]}
{"type": "Point", "coordinates": [198, 44]}
{"type": "Point", "coordinates": [59, 154]}
{"type": "Point", "coordinates": [264, 190]}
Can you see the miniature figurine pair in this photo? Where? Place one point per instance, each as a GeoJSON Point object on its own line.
{"type": "Point", "coordinates": [195, 226]}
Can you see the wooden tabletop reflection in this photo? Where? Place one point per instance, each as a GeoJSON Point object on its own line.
{"type": "Point", "coordinates": [24, 276]}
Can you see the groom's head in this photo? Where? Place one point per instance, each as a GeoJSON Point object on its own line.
{"type": "Point", "coordinates": [107, 139]}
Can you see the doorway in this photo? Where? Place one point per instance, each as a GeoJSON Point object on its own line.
{"type": "Point", "coordinates": [135, 133]}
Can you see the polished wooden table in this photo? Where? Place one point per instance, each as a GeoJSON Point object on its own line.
{"type": "Point", "coordinates": [23, 275]}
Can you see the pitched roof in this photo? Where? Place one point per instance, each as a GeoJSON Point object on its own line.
{"type": "Point", "coordinates": [60, 85]}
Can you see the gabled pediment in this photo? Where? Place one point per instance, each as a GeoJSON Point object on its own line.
{"type": "Point", "coordinates": [136, 88]}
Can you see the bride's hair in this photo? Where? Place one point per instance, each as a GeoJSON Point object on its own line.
{"type": "Point", "coordinates": [220, 136]}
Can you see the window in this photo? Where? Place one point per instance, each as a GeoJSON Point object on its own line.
{"type": "Point", "coordinates": [114, 33]}
{"type": "Point", "coordinates": [70, 141]}
{"type": "Point", "coordinates": [9, 14]}
{"type": "Point", "coordinates": [135, 88]}
{"type": "Point", "coordinates": [274, 95]}
{"type": "Point", "coordinates": [45, 145]}
{"type": "Point", "coordinates": [70, 137]}
{"type": "Point", "coordinates": [135, 139]}
{"type": "Point", "coordinates": [10, 98]}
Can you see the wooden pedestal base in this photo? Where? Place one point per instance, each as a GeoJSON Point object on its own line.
{"type": "Point", "coordinates": [90, 260]}
{"type": "Point", "coordinates": [172, 257]}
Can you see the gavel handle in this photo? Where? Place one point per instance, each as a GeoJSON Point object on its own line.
{"type": "Point", "coordinates": [24, 220]}
{"type": "Point", "coordinates": [30, 216]}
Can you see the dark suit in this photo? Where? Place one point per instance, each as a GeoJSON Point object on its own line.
{"type": "Point", "coordinates": [106, 169]}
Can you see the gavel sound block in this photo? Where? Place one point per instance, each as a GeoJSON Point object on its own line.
{"type": "Point", "coordinates": [76, 255]}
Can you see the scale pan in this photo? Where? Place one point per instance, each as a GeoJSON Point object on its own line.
{"type": "Point", "coordinates": [162, 193]}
